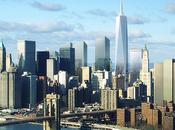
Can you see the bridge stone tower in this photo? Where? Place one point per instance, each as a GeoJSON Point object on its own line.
{"type": "Point", "coordinates": [51, 108]}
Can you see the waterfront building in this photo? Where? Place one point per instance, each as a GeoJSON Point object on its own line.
{"type": "Point", "coordinates": [77, 97]}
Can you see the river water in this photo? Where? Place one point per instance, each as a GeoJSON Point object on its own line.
{"type": "Point", "coordinates": [28, 127]}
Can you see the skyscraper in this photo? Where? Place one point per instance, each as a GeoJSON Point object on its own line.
{"type": "Point", "coordinates": [102, 54]}
{"type": "Point", "coordinates": [169, 81]}
{"type": "Point", "coordinates": [164, 82]}
{"type": "Point", "coordinates": [2, 57]}
{"type": "Point", "coordinates": [55, 55]}
{"type": "Point", "coordinates": [9, 62]}
{"type": "Point", "coordinates": [122, 45]}
{"type": "Point", "coordinates": [80, 56]}
{"type": "Point", "coordinates": [86, 74]}
{"type": "Point", "coordinates": [51, 68]}
{"type": "Point", "coordinates": [29, 90]}
{"type": "Point", "coordinates": [158, 84]}
{"type": "Point", "coordinates": [135, 64]}
{"type": "Point", "coordinates": [42, 57]}
{"type": "Point", "coordinates": [26, 55]}
{"type": "Point", "coordinates": [67, 59]}
{"type": "Point", "coordinates": [10, 91]}
{"type": "Point", "coordinates": [145, 74]}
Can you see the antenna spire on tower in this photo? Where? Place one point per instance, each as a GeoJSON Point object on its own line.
{"type": "Point", "coordinates": [121, 7]}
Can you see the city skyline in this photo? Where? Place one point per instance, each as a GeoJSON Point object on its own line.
{"type": "Point", "coordinates": [153, 26]}
{"type": "Point", "coordinates": [87, 66]}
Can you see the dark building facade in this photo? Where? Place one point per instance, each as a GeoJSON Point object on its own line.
{"type": "Point", "coordinates": [67, 59]}
{"type": "Point", "coordinates": [42, 57]}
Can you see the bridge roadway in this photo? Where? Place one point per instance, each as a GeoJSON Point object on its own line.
{"type": "Point", "coordinates": [39, 119]}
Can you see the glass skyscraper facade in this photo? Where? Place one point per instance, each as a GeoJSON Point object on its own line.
{"type": "Point", "coordinates": [122, 45]}
{"type": "Point", "coordinates": [67, 59]}
{"type": "Point", "coordinates": [80, 56]}
{"type": "Point", "coordinates": [102, 54]}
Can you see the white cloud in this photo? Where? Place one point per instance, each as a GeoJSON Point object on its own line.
{"type": "Point", "coordinates": [45, 27]}
{"type": "Point", "coordinates": [101, 13]}
{"type": "Point", "coordinates": [48, 6]}
{"type": "Point", "coordinates": [137, 20]}
{"type": "Point", "coordinates": [138, 34]}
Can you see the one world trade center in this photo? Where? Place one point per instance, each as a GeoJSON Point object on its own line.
{"type": "Point", "coordinates": [121, 52]}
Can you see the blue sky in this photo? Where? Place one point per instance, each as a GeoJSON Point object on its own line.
{"type": "Point", "coordinates": [52, 23]}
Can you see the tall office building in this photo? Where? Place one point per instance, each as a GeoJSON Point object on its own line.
{"type": "Point", "coordinates": [72, 99]}
{"type": "Point", "coordinates": [55, 55]}
{"type": "Point", "coordinates": [135, 64]}
{"type": "Point", "coordinates": [118, 82]}
{"type": "Point", "coordinates": [109, 99]}
{"type": "Point", "coordinates": [2, 57]}
{"type": "Point", "coordinates": [158, 84]}
{"type": "Point", "coordinates": [29, 90]}
{"type": "Point", "coordinates": [122, 45]}
{"type": "Point", "coordinates": [9, 62]}
{"type": "Point", "coordinates": [4, 90]}
{"type": "Point", "coordinates": [102, 54]}
{"type": "Point", "coordinates": [86, 74]}
{"type": "Point", "coordinates": [80, 56]}
{"type": "Point", "coordinates": [26, 54]}
{"type": "Point", "coordinates": [51, 68]}
{"type": "Point", "coordinates": [145, 74]}
{"type": "Point", "coordinates": [14, 88]}
{"type": "Point", "coordinates": [67, 59]}
{"type": "Point", "coordinates": [63, 80]}
{"type": "Point", "coordinates": [168, 81]}
{"type": "Point", "coordinates": [164, 82]}
{"type": "Point", "coordinates": [10, 91]}
{"type": "Point", "coordinates": [42, 57]}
